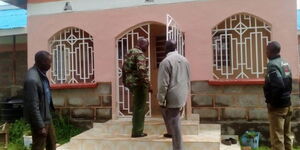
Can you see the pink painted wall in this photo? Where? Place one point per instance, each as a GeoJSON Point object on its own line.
{"type": "Point", "coordinates": [196, 19]}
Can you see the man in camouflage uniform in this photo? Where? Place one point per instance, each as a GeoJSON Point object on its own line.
{"type": "Point", "coordinates": [135, 77]}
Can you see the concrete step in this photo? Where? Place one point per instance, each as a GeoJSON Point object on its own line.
{"type": "Point", "coordinates": [233, 146]}
{"type": "Point", "coordinates": [115, 135]}
{"type": "Point", "coordinates": [90, 141]}
{"type": "Point", "coordinates": [152, 127]}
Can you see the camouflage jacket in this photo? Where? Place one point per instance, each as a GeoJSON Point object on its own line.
{"type": "Point", "coordinates": [135, 71]}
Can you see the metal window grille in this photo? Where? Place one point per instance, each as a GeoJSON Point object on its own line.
{"type": "Point", "coordinates": [72, 51]}
{"type": "Point", "coordinates": [123, 44]}
{"type": "Point", "coordinates": [239, 44]}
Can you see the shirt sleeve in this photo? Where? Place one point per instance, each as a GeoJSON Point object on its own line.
{"type": "Point", "coordinates": [126, 68]}
{"type": "Point", "coordinates": [189, 77]}
{"type": "Point", "coordinates": [141, 65]}
{"type": "Point", "coordinates": [163, 82]}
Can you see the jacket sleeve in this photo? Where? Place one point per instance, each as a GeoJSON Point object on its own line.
{"type": "Point", "coordinates": [163, 82]}
{"type": "Point", "coordinates": [275, 83]}
{"type": "Point", "coordinates": [32, 104]}
{"type": "Point", "coordinates": [141, 65]}
{"type": "Point", "coordinates": [189, 77]}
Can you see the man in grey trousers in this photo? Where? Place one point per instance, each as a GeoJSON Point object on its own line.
{"type": "Point", "coordinates": [173, 88]}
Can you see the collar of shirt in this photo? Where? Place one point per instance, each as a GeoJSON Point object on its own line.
{"type": "Point", "coordinates": [171, 53]}
{"type": "Point", "coordinates": [278, 56]}
{"type": "Point", "coordinates": [46, 86]}
{"type": "Point", "coordinates": [41, 73]}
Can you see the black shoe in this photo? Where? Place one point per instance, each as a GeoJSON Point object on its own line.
{"type": "Point", "coordinates": [141, 135]}
{"type": "Point", "coordinates": [229, 141]}
{"type": "Point", "coordinates": [167, 135]}
{"type": "Point", "coordinates": [226, 142]}
{"type": "Point", "coordinates": [233, 141]}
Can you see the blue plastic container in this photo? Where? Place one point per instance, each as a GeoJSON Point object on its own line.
{"type": "Point", "coordinates": [253, 142]}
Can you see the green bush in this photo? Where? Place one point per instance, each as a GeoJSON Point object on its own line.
{"type": "Point", "coordinates": [13, 146]}
{"type": "Point", "coordinates": [63, 128]}
{"type": "Point", "coordinates": [16, 131]}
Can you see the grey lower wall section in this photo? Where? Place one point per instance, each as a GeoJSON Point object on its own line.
{"type": "Point", "coordinates": [85, 106]}
{"type": "Point", "coordinates": [238, 107]}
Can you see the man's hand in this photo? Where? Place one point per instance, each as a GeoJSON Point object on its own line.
{"type": "Point", "coordinates": [162, 104]}
{"type": "Point", "coordinates": [43, 131]}
{"type": "Point", "coordinates": [150, 90]}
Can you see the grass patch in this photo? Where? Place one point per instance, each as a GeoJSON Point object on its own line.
{"type": "Point", "coordinates": [268, 148]}
{"type": "Point", "coordinates": [63, 128]}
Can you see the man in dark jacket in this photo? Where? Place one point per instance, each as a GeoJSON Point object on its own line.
{"type": "Point", "coordinates": [38, 103]}
{"type": "Point", "coordinates": [277, 90]}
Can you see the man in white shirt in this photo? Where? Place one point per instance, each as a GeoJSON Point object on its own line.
{"type": "Point", "coordinates": [173, 89]}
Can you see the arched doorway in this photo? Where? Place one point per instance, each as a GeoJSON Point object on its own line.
{"type": "Point", "coordinates": [157, 34]}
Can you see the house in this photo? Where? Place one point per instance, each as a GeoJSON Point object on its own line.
{"type": "Point", "coordinates": [224, 41]}
{"type": "Point", "coordinates": [13, 50]}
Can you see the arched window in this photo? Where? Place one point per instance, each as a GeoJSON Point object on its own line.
{"type": "Point", "coordinates": [72, 52]}
{"type": "Point", "coordinates": [239, 44]}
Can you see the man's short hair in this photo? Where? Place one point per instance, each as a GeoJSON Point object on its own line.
{"type": "Point", "coordinates": [171, 45]}
{"type": "Point", "coordinates": [274, 47]}
{"type": "Point", "coordinates": [41, 56]}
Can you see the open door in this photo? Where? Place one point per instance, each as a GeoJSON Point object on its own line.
{"type": "Point", "coordinates": [174, 33]}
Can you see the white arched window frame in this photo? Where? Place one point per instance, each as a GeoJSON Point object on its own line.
{"type": "Point", "coordinates": [72, 51]}
{"type": "Point", "coordinates": [239, 44]}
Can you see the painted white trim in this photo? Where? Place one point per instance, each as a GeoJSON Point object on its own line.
{"type": "Point", "coordinates": [89, 5]}
{"type": "Point", "coordinates": [16, 31]}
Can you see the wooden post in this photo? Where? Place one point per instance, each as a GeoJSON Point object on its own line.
{"type": "Point", "coordinates": [14, 58]}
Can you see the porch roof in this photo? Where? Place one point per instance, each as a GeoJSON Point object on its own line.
{"type": "Point", "coordinates": [13, 18]}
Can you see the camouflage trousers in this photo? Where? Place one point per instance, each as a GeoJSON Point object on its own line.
{"type": "Point", "coordinates": [140, 95]}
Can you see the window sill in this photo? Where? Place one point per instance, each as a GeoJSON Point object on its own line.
{"type": "Point", "coordinates": [237, 82]}
{"type": "Point", "coordinates": [73, 86]}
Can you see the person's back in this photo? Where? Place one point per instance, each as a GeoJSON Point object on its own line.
{"type": "Point", "coordinates": [173, 88]}
{"type": "Point", "coordinates": [178, 68]}
{"type": "Point", "coordinates": [135, 77]}
{"type": "Point", "coordinates": [278, 91]}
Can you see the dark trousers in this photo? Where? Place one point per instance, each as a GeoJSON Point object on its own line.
{"type": "Point", "coordinates": [140, 95]}
{"type": "Point", "coordinates": [171, 117]}
{"type": "Point", "coordinates": [39, 142]}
